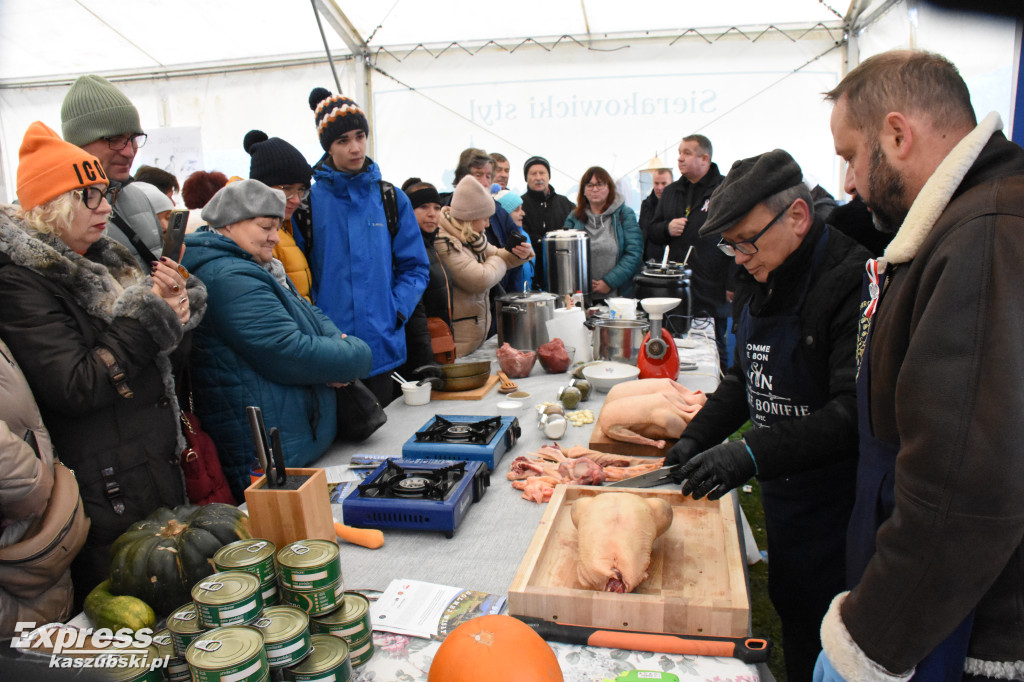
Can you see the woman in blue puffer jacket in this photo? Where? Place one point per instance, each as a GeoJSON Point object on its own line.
{"type": "Point", "coordinates": [261, 343]}
{"type": "Point", "coordinates": [616, 243]}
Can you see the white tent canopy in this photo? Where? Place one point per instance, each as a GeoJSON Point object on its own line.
{"type": "Point", "coordinates": [582, 82]}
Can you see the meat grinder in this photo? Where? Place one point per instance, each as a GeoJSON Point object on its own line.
{"type": "Point", "coordinates": [659, 357]}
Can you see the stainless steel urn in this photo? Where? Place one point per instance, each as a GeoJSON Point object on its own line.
{"type": "Point", "coordinates": [567, 262]}
{"type": "Point", "coordinates": [522, 318]}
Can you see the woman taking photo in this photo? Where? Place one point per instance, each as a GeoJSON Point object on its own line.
{"type": "Point", "coordinates": [616, 244]}
{"type": "Point", "coordinates": [473, 263]}
{"type": "Point", "coordinates": [92, 334]}
{"type": "Point", "coordinates": [262, 343]}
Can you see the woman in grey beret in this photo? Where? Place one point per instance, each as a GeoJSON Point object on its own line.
{"type": "Point", "coordinates": [261, 342]}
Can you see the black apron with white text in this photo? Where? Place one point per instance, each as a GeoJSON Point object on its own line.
{"type": "Point", "coordinates": [806, 513]}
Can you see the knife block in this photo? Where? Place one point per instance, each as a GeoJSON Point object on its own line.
{"type": "Point", "coordinates": [283, 516]}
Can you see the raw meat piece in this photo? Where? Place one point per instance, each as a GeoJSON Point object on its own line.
{"type": "Point", "coordinates": [553, 356]}
{"type": "Point", "coordinates": [610, 459]}
{"type": "Point", "coordinates": [537, 488]}
{"type": "Point", "coordinates": [616, 533]}
{"type": "Point", "coordinates": [613, 473]}
{"type": "Point", "coordinates": [581, 471]}
{"type": "Point", "coordinates": [526, 467]}
{"type": "Point", "coordinates": [515, 363]}
{"type": "Point", "coordinates": [662, 411]}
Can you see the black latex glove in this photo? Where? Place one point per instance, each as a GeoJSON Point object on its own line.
{"type": "Point", "coordinates": [681, 453]}
{"type": "Point", "coordinates": [717, 470]}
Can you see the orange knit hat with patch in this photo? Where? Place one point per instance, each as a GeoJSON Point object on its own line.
{"type": "Point", "coordinates": [48, 167]}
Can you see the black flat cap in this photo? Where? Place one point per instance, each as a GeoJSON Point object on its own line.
{"type": "Point", "coordinates": [749, 182]}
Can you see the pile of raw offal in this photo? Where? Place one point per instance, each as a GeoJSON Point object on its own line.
{"type": "Point", "coordinates": [537, 473]}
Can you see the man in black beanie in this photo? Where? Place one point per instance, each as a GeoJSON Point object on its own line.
{"type": "Point", "coordinates": [544, 209]}
{"type": "Point", "coordinates": [796, 306]}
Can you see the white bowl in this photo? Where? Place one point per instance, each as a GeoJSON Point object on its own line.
{"type": "Point", "coordinates": [415, 395]}
{"type": "Point", "coordinates": [604, 375]}
{"type": "Point", "coordinates": [509, 406]}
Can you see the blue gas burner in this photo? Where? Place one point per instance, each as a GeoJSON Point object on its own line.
{"type": "Point", "coordinates": [416, 494]}
{"type": "Point", "coordinates": [464, 437]}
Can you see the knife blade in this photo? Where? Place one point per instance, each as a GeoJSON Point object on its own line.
{"type": "Point", "coordinates": [259, 437]}
{"type": "Point", "coordinates": [746, 649]}
{"type": "Point", "coordinates": [277, 458]}
{"type": "Point", "coordinates": [648, 480]}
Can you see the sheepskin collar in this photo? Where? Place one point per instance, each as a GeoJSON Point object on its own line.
{"type": "Point", "coordinates": [95, 280]}
{"type": "Point", "coordinates": [937, 191]}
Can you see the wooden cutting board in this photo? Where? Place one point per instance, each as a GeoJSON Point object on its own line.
{"type": "Point", "coordinates": [601, 442]}
{"type": "Point", "coordinates": [472, 394]}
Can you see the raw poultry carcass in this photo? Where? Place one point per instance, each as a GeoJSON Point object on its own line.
{"type": "Point", "coordinates": [616, 533]}
{"type": "Point", "coordinates": [581, 471]}
{"type": "Point", "coordinates": [648, 410]}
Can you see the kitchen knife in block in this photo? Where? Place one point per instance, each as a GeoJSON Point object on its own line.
{"type": "Point", "coordinates": [748, 650]}
{"type": "Point", "coordinates": [300, 511]}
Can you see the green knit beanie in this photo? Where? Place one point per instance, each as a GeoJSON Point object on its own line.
{"type": "Point", "coordinates": [94, 108]}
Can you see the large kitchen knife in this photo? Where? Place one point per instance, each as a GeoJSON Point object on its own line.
{"type": "Point", "coordinates": [648, 480]}
{"type": "Point", "coordinates": [748, 649]}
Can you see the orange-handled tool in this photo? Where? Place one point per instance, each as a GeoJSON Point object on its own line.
{"type": "Point", "coordinates": [367, 537]}
{"type": "Point", "coordinates": [748, 649]}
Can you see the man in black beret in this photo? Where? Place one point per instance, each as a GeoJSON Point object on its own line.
{"type": "Point", "coordinates": [793, 377]}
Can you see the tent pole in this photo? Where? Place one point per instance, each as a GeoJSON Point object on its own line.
{"type": "Point", "coordinates": [327, 49]}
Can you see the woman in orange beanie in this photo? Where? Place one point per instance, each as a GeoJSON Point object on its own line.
{"type": "Point", "coordinates": [94, 337]}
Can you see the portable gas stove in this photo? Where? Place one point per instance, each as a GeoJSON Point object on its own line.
{"type": "Point", "coordinates": [416, 494]}
{"type": "Point", "coordinates": [470, 438]}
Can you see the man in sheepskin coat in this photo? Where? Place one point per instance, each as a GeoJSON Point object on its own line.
{"type": "Point", "coordinates": [935, 553]}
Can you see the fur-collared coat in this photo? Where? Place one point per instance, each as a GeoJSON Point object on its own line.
{"type": "Point", "coordinates": [947, 388]}
{"type": "Point", "coordinates": [58, 308]}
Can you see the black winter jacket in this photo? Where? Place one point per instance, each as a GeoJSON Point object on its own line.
{"type": "Point", "coordinates": [710, 266]}
{"type": "Point", "coordinates": [828, 329]}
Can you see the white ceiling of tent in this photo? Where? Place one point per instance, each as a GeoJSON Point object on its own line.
{"type": "Point", "coordinates": [51, 39]}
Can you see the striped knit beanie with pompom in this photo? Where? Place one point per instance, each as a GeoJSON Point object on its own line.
{"type": "Point", "coordinates": [335, 116]}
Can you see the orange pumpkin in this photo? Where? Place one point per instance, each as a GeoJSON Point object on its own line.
{"type": "Point", "coordinates": [496, 649]}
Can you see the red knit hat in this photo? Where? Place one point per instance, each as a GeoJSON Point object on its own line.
{"type": "Point", "coordinates": [48, 167]}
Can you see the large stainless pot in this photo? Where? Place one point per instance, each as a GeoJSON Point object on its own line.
{"type": "Point", "coordinates": [668, 280]}
{"type": "Point", "coordinates": [617, 340]}
{"type": "Point", "coordinates": [566, 257]}
{"type": "Point", "coordinates": [522, 318]}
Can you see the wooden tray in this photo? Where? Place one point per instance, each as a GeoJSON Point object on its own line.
{"type": "Point", "coordinates": [601, 442]}
{"type": "Point", "coordinates": [695, 586]}
{"type": "Point", "coordinates": [472, 394]}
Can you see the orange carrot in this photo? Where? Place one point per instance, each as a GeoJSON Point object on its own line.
{"type": "Point", "coordinates": [367, 537]}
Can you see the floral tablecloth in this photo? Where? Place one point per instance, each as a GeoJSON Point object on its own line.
{"type": "Point", "coordinates": [405, 659]}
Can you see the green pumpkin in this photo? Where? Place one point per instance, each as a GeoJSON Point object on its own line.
{"type": "Point", "coordinates": [160, 558]}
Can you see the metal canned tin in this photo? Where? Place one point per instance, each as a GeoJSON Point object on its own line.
{"type": "Point", "coordinates": [184, 626]}
{"type": "Point", "coordinates": [228, 654]}
{"type": "Point", "coordinates": [286, 634]}
{"type": "Point", "coordinates": [314, 602]}
{"type": "Point", "coordinates": [309, 565]}
{"type": "Point", "coordinates": [351, 620]}
{"type": "Point", "coordinates": [132, 665]}
{"type": "Point", "coordinates": [269, 592]}
{"type": "Point", "coordinates": [228, 598]}
{"type": "Point", "coordinates": [177, 670]}
{"type": "Point", "coordinates": [254, 556]}
{"type": "Point", "coordinates": [360, 651]}
{"type": "Point", "coordinates": [329, 662]}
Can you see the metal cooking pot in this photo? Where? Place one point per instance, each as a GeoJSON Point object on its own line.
{"type": "Point", "coordinates": [667, 280]}
{"type": "Point", "coordinates": [522, 318]}
{"type": "Point", "coordinates": [460, 376]}
{"type": "Point", "coordinates": [617, 340]}
{"type": "Point", "coordinates": [566, 257]}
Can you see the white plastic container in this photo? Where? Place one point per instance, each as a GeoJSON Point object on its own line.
{"type": "Point", "coordinates": [414, 394]}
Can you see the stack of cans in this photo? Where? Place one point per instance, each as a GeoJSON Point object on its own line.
{"type": "Point", "coordinates": [351, 622]}
{"type": "Point", "coordinates": [310, 576]}
{"type": "Point", "coordinates": [255, 556]}
{"type": "Point", "coordinates": [228, 598]}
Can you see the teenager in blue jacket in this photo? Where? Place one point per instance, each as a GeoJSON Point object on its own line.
{"type": "Point", "coordinates": [261, 343]}
{"type": "Point", "coordinates": [368, 274]}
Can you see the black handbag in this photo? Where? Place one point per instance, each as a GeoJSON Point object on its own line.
{"type": "Point", "coordinates": [359, 412]}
